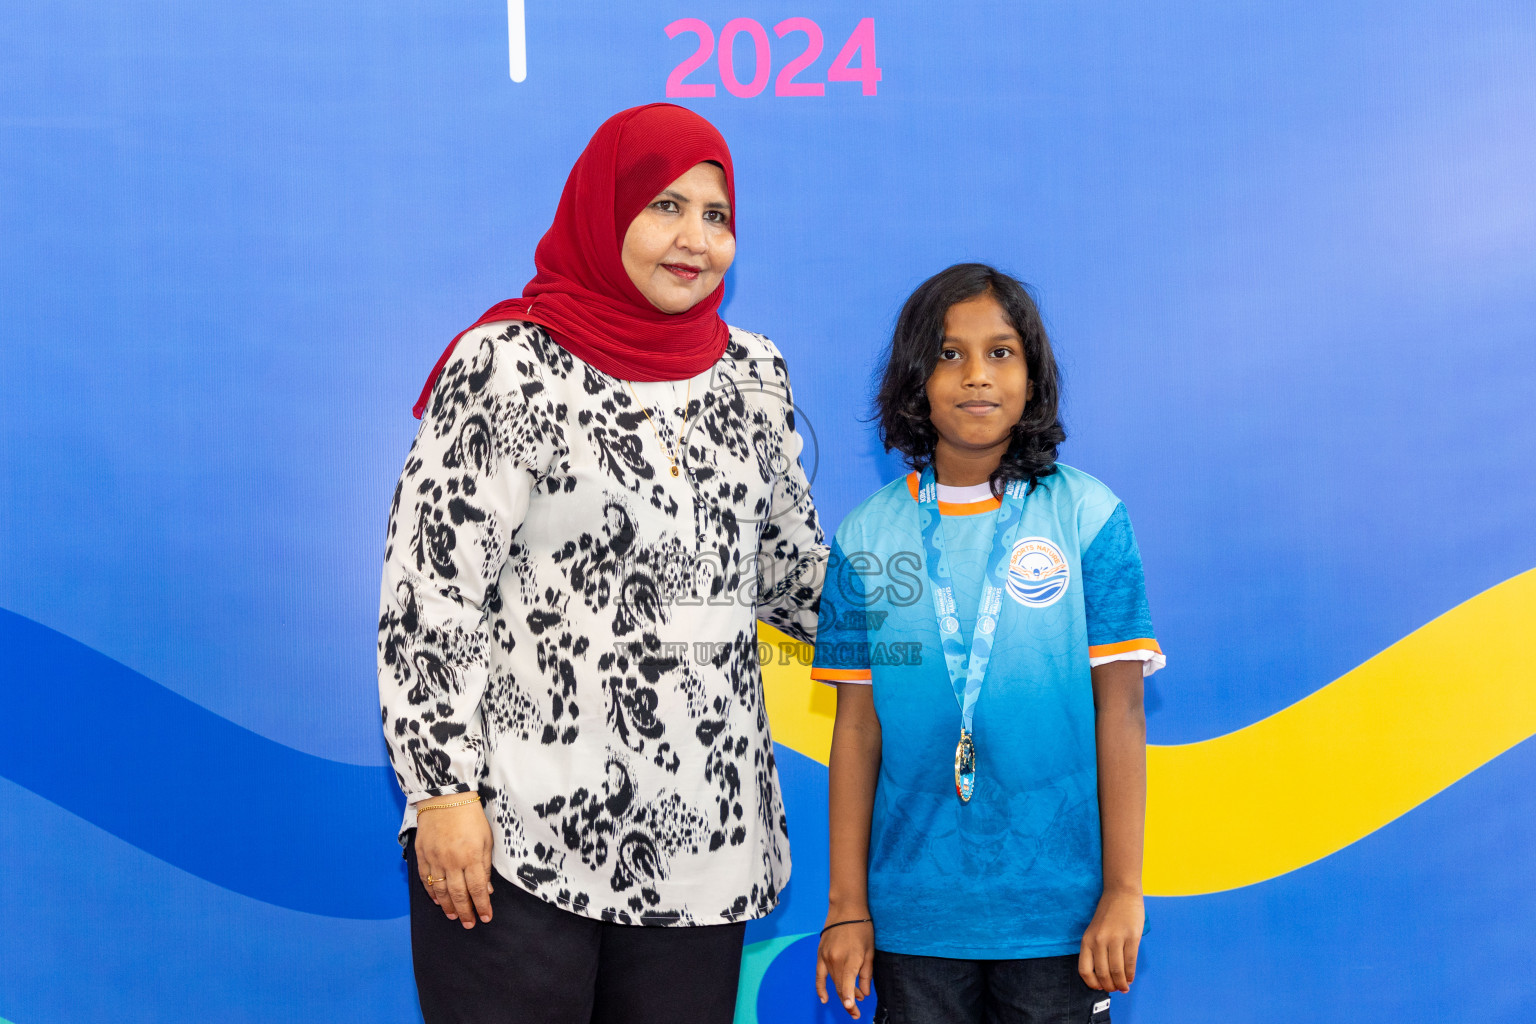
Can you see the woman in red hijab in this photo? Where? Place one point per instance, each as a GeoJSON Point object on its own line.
{"type": "Point", "coordinates": [604, 497]}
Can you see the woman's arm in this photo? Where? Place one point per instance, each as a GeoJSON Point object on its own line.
{"type": "Point", "coordinates": [464, 491]}
{"type": "Point", "coordinates": [847, 952]}
{"type": "Point", "coordinates": [1108, 957]}
{"type": "Point", "coordinates": [792, 552]}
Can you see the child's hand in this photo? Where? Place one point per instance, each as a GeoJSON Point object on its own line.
{"type": "Point", "coordinates": [1108, 959]}
{"type": "Point", "coordinates": [847, 957]}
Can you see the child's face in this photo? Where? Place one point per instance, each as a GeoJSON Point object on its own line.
{"type": "Point", "coordinates": [979, 386]}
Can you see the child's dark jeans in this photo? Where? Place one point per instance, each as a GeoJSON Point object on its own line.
{"type": "Point", "coordinates": [938, 990]}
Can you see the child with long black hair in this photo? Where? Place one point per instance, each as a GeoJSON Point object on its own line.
{"type": "Point", "coordinates": [986, 624]}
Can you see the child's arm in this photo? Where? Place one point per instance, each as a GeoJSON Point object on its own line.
{"type": "Point", "coordinates": [1108, 957]}
{"type": "Point", "coordinates": [847, 952]}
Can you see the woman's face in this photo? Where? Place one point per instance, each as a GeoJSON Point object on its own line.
{"type": "Point", "coordinates": [679, 247]}
{"type": "Point", "coordinates": [981, 382]}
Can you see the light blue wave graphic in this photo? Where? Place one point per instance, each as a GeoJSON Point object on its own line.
{"type": "Point", "coordinates": [96, 931]}
{"type": "Point", "coordinates": [192, 788]}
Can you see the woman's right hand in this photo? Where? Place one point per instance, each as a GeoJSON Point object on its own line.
{"type": "Point", "coordinates": [453, 850]}
{"type": "Point", "coordinates": [847, 957]}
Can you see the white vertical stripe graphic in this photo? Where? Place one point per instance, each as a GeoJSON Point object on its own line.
{"type": "Point", "coordinates": [517, 41]}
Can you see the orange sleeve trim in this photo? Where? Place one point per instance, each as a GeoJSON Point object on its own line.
{"type": "Point", "coordinates": [842, 675]}
{"type": "Point", "coordinates": [954, 508]}
{"type": "Point", "coordinates": [1105, 650]}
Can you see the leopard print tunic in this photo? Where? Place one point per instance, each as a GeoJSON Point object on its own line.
{"type": "Point", "coordinates": [570, 629]}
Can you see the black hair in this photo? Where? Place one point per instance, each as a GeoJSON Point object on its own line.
{"type": "Point", "coordinates": [901, 405]}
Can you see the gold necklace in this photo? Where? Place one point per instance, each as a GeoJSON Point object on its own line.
{"type": "Point", "coordinates": [682, 431]}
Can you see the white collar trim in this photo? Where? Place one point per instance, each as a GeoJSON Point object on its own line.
{"type": "Point", "coordinates": [965, 495]}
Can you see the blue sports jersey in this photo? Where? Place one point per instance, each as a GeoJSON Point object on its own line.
{"type": "Point", "coordinates": [1016, 872]}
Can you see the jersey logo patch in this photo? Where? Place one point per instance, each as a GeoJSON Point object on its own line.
{"type": "Point", "coordinates": [1038, 573]}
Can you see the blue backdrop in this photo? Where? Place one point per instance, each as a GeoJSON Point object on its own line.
{"type": "Point", "coordinates": [1287, 257]}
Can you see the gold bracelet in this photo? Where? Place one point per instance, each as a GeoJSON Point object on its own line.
{"type": "Point", "coordinates": [474, 798]}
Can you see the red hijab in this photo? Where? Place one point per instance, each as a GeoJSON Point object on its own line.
{"type": "Point", "coordinates": [581, 291]}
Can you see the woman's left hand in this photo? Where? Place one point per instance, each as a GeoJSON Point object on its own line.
{"type": "Point", "coordinates": [1108, 958]}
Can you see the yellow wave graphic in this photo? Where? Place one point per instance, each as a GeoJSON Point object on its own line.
{"type": "Point", "coordinates": [1310, 779]}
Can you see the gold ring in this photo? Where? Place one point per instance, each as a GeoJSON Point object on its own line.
{"type": "Point", "coordinates": [434, 881]}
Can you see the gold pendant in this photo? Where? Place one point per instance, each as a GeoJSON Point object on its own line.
{"type": "Point", "coordinates": [674, 469]}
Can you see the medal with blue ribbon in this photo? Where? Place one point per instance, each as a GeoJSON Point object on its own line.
{"type": "Point", "coordinates": [967, 669]}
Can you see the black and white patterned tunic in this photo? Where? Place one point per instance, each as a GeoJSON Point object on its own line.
{"type": "Point", "coordinates": [570, 629]}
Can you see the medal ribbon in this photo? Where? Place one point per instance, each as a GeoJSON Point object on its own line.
{"type": "Point", "coordinates": [967, 669]}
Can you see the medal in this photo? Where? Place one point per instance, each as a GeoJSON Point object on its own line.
{"type": "Point", "coordinates": [965, 768]}
{"type": "Point", "coordinates": [967, 669]}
